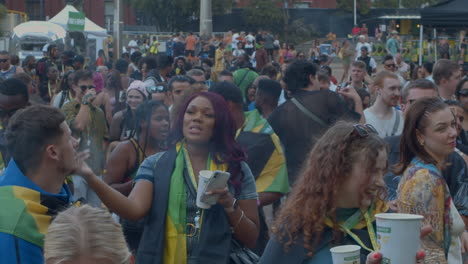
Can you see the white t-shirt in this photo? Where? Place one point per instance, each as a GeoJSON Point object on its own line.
{"type": "Point", "coordinates": [385, 127]}
{"type": "Point", "coordinates": [132, 44]}
{"type": "Point", "coordinates": [234, 40]}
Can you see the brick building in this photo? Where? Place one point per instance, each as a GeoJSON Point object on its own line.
{"type": "Point", "coordinates": [100, 12]}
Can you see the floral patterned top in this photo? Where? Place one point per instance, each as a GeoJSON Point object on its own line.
{"type": "Point", "coordinates": [423, 191]}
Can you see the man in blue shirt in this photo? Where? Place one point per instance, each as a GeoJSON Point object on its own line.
{"type": "Point", "coordinates": [33, 188]}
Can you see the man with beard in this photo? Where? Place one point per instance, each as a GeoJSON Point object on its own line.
{"type": "Point", "coordinates": [33, 188]}
{"type": "Point", "coordinates": [382, 115]}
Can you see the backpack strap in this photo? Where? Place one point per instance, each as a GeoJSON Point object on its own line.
{"type": "Point", "coordinates": [396, 124]}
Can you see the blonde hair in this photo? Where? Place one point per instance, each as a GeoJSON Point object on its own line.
{"type": "Point", "coordinates": [85, 231]}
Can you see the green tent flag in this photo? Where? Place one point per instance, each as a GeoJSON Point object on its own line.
{"type": "Point", "coordinates": [76, 21]}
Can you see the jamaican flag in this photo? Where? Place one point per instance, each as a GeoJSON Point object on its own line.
{"type": "Point", "coordinates": [26, 213]}
{"type": "Point", "coordinates": [264, 154]}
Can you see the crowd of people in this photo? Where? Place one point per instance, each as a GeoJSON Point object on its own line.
{"type": "Point", "coordinates": [101, 162]}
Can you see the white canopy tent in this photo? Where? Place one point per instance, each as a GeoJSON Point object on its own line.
{"type": "Point", "coordinates": [90, 27]}
{"type": "Point", "coordinates": [95, 35]}
{"type": "Point", "coordinates": [39, 29]}
{"type": "Point", "coordinates": [29, 38]}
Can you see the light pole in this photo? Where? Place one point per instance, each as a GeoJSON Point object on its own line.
{"type": "Point", "coordinates": [354, 12]}
{"type": "Point", "coordinates": [117, 29]}
{"type": "Point", "coordinates": [206, 22]}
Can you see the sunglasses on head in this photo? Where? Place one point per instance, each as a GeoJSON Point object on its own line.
{"type": "Point", "coordinates": [85, 87]}
{"type": "Point", "coordinates": [156, 89]}
{"type": "Point", "coordinates": [365, 130]}
{"type": "Point", "coordinates": [463, 92]}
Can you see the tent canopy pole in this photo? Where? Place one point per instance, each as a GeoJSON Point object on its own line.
{"type": "Point", "coordinates": [421, 45]}
{"type": "Point", "coordinates": [435, 44]}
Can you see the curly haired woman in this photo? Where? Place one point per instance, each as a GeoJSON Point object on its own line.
{"type": "Point", "coordinates": [342, 180]}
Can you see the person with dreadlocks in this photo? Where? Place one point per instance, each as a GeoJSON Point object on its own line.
{"type": "Point", "coordinates": [148, 138]}
{"type": "Point", "coordinates": [123, 121]}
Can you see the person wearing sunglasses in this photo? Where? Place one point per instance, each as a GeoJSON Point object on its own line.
{"type": "Point", "coordinates": [428, 138]}
{"type": "Point", "coordinates": [6, 69]}
{"type": "Point", "coordinates": [88, 123]}
{"type": "Point", "coordinates": [342, 178]}
{"type": "Point", "coordinates": [462, 97]}
{"type": "Point", "coordinates": [390, 65]}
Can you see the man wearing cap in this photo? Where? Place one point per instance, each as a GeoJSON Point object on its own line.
{"type": "Point", "coordinates": [392, 46]}
{"type": "Point", "coordinates": [371, 65]}
{"type": "Point", "coordinates": [362, 43]}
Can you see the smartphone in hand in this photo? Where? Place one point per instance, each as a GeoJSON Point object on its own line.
{"type": "Point", "coordinates": [217, 181]}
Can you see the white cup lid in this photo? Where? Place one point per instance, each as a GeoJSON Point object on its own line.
{"type": "Point", "coordinates": [345, 249]}
{"type": "Point", "coordinates": [392, 216]}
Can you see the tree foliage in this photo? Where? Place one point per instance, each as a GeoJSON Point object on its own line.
{"type": "Point", "coordinates": [174, 15]}
{"type": "Point", "coordinates": [362, 6]}
{"type": "Point", "coordinates": [298, 32]}
{"type": "Point", "coordinates": [264, 14]}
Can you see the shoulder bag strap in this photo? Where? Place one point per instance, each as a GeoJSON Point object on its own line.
{"type": "Point", "coordinates": [397, 123]}
{"type": "Point", "coordinates": [307, 112]}
{"type": "Point", "coordinates": [243, 77]}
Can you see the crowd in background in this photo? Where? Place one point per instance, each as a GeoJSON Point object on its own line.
{"type": "Point", "coordinates": [305, 150]}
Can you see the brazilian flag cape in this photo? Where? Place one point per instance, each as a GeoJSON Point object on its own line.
{"type": "Point", "coordinates": [27, 214]}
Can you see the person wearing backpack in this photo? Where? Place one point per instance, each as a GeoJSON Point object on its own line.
{"type": "Point", "coordinates": [383, 115]}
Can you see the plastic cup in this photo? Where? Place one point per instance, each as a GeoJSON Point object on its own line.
{"type": "Point", "coordinates": [349, 254]}
{"type": "Point", "coordinates": [203, 179]}
{"type": "Point", "coordinates": [398, 237]}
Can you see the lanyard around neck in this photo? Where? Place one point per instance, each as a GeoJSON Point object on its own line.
{"type": "Point", "coordinates": [353, 221]}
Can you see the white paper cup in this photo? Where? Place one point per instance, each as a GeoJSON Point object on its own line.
{"type": "Point", "coordinates": [398, 237]}
{"type": "Point", "coordinates": [203, 179]}
{"type": "Point", "coordinates": [349, 254]}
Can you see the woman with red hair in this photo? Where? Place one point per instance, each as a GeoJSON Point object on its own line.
{"type": "Point", "coordinates": [176, 231]}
